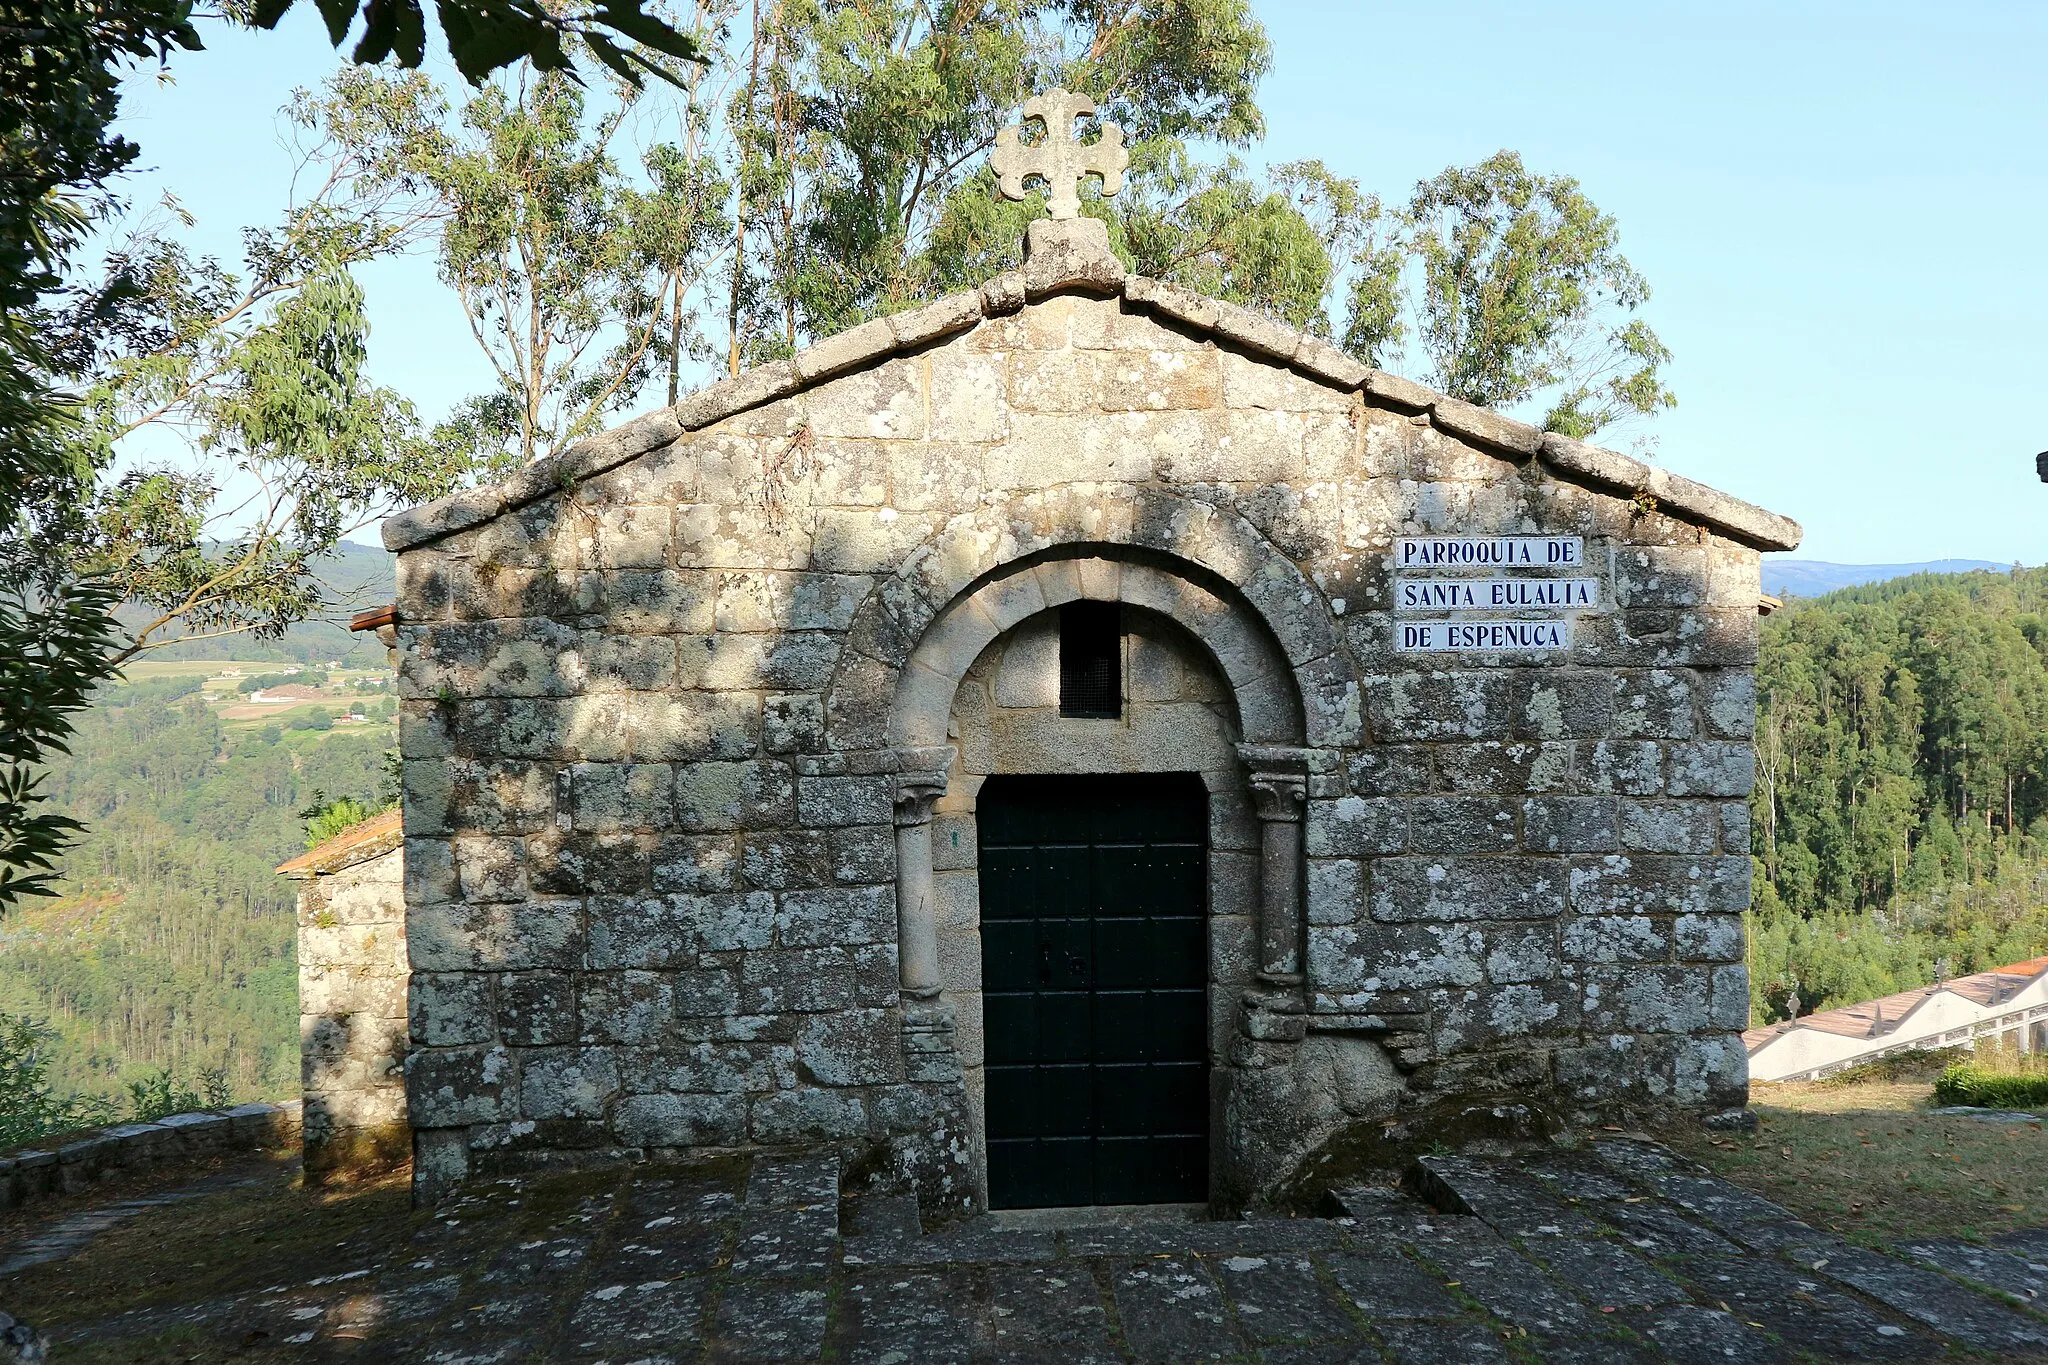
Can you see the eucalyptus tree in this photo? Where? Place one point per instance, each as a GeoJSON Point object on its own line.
{"type": "Point", "coordinates": [574, 276]}
{"type": "Point", "coordinates": [1518, 291]}
{"type": "Point", "coordinates": [61, 76]}
{"type": "Point", "coordinates": [862, 130]}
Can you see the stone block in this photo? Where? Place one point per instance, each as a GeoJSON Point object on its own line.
{"type": "Point", "coordinates": [1471, 1018]}
{"type": "Point", "coordinates": [762, 601]}
{"type": "Point", "coordinates": [430, 874]}
{"type": "Point", "coordinates": [876, 976]}
{"type": "Point", "coordinates": [685, 728]}
{"type": "Point", "coordinates": [1660, 576]}
{"type": "Point", "coordinates": [785, 860]}
{"type": "Point", "coordinates": [618, 796]}
{"type": "Point", "coordinates": [1649, 999]}
{"type": "Point", "coordinates": [1336, 890]}
{"type": "Point", "coordinates": [862, 855]}
{"type": "Point", "coordinates": [836, 918]}
{"type": "Point", "coordinates": [855, 1047]}
{"type": "Point", "coordinates": [1712, 1072]}
{"type": "Point", "coordinates": [807, 1115]}
{"type": "Point", "coordinates": [1619, 1068]}
{"type": "Point", "coordinates": [1504, 768]}
{"type": "Point", "coordinates": [566, 1082]}
{"type": "Point", "coordinates": [886, 402]}
{"type": "Point", "coordinates": [1670, 826]}
{"type": "Point", "coordinates": [803, 980]}
{"type": "Point", "coordinates": [1709, 938]}
{"type": "Point", "coordinates": [846, 350]}
{"type": "Point", "coordinates": [1735, 835]}
{"type": "Point", "coordinates": [628, 663]}
{"type": "Point", "coordinates": [1728, 702]}
{"type": "Point", "coordinates": [1617, 938]}
{"type": "Point", "coordinates": [1157, 381]}
{"type": "Point", "coordinates": [1730, 1000]}
{"type": "Point", "coordinates": [451, 1009]}
{"type": "Point", "coordinates": [449, 1087]}
{"type": "Point", "coordinates": [1569, 824]}
{"type": "Point", "coordinates": [1390, 770]}
{"type": "Point", "coordinates": [536, 1009]}
{"type": "Point", "coordinates": [720, 796]}
{"type": "Point", "coordinates": [1462, 824]}
{"type": "Point", "coordinates": [1519, 953]}
{"type": "Point", "coordinates": [1462, 889]}
{"type": "Point", "coordinates": [624, 1006]}
{"type": "Point", "coordinates": [630, 537]}
{"type": "Point", "coordinates": [793, 724]}
{"type": "Point", "coordinates": [1398, 957]}
{"type": "Point", "coordinates": [696, 863]}
{"type": "Point", "coordinates": [1653, 704]}
{"type": "Point", "coordinates": [1624, 766]}
{"type": "Point", "coordinates": [1711, 769]}
{"type": "Point", "coordinates": [940, 318]}
{"type": "Point", "coordinates": [1474, 704]}
{"type": "Point", "coordinates": [577, 862]}
{"type": "Point", "coordinates": [1356, 826]}
{"type": "Point", "coordinates": [1659, 884]}
{"type": "Point", "coordinates": [490, 868]}
{"type": "Point", "coordinates": [454, 937]}
{"type": "Point", "coordinates": [707, 994]}
{"type": "Point", "coordinates": [669, 1121]}
{"type": "Point", "coordinates": [827, 802]}
{"type": "Point", "coordinates": [1563, 704]}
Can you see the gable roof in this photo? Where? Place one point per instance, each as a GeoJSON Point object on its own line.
{"type": "Point", "coordinates": [1055, 273]}
{"type": "Point", "coordinates": [1887, 1014]}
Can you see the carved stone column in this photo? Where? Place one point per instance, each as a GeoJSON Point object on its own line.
{"type": "Point", "coordinates": [1279, 796]}
{"type": "Point", "coordinates": [917, 930]}
{"type": "Point", "coordinates": [1278, 784]}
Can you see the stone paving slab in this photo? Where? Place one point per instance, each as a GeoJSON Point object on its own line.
{"type": "Point", "coordinates": [728, 1263]}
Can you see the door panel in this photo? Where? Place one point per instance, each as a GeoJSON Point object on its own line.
{"type": "Point", "coordinates": [1095, 980]}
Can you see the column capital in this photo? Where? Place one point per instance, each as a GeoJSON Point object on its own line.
{"type": "Point", "coordinates": [1278, 795]}
{"type": "Point", "coordinates": [915, 794]}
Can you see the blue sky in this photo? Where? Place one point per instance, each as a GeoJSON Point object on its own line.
{"type": "Point", "coordinates": [1841, 210]}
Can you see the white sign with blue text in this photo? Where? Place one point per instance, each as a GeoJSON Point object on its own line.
{"type": "Point", "coordinates": [1495, 594]}
{"type": "Point", "coordinates": [1490, 637]}
{"type": "Point", "coordinates": [1489, 552]}
{"type": "Point", "coordinates": [1503, 590]}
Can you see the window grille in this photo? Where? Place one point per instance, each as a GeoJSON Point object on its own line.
{"type": "Point", "coordinates": [1091, 660]}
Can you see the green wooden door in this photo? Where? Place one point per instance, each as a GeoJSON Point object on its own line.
{"type": "Point", "coordinates": [1095, 988]}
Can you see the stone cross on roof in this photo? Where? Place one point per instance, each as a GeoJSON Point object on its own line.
{"type": "Point", "coordinates": [1059, 160]}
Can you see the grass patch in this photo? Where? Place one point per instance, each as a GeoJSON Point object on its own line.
{"type": "Point", "coordinates": [1901, 1066]}
{"type": "Point", "coordinates": [1995, 1080]}
{"type": "Point", "coordinates": [1868, 1161]}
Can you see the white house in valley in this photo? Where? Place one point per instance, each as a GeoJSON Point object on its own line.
{"type": "Point", "coordinates": [2008, 1003]}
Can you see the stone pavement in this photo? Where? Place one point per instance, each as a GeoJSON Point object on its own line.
{"type": "Point", "coordinates": [1620, 1253]}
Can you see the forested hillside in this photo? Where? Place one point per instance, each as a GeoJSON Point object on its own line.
{"type": "Point", "coordinates": [1901, 810]}
{"type": "Point", "coordinates": [173, 945]}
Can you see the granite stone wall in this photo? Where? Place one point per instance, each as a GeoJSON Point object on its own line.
{"type": "Point", "coordinates": [352, 1007]}
{"type": "Point", "coordinates": [677, 705]}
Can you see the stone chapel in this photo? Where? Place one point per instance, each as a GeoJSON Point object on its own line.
{"type": "Point", "coordinates": [1073, 742]}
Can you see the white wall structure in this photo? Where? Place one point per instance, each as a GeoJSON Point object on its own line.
{"type": "Point", "coordinates": [2009, 1004]}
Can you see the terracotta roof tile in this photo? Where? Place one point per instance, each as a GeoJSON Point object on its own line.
{"type": "Point", "coordinates": [358, 843]}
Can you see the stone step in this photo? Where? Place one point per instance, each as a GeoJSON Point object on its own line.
{"type": "Point", "coordinates": [792, 1180]}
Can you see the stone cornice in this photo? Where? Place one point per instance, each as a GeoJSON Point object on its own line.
{"type": "Point", "coordinates": [878, 340]}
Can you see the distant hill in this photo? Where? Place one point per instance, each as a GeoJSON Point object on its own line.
{"type": "Point", "coordinates": [357, 577]}
{"type": "Point", "coordinates": [1814, 577]}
